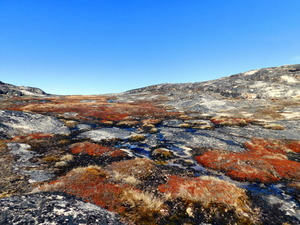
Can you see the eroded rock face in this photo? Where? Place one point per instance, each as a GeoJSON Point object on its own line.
{"type": "Point", "coordinates": [52, 208]}
{"type": "Point", "coordinates": [217, 152]}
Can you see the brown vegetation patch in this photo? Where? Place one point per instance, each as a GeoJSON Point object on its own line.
{"type": "Point", "coordinates": [211, 193]}
{"type": "Point", "coordinates": [91, 107]}
{"type": "Point", "coordinates": [34, 136]}
{"type": "Point", "coordinates": [227, 121]}
{"type": "Point", "coordinates": [138, 168]}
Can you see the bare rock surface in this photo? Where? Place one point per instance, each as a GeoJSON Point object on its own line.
{"type": "Point", "coordinates": [52, 208]}
{"type": "Point", "coordinates": [14, 123]}
{"type": "Point", "coordinates": [271, 82]}
{"type": "Point", "coordinates": [106, 134]}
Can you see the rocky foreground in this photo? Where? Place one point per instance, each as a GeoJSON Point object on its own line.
{"type": "Point", "coordinates": [225, 151]}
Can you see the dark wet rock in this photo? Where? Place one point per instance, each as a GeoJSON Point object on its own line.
{"type": "Point", "coordinates": [14, 123]}
{"type": "Point", "coordinates": [52, 208]}
{"type": "Point", "coordinates": [275, 203]}
{"type": "Point", "coordinates": [5, 131]}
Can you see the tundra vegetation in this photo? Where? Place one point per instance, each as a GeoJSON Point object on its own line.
{"type": "Point", "coordinates": [216, 152]}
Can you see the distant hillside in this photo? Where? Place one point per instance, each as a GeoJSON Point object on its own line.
{"type": "Point", "coordinates": [9, 90]}
{"type": "Point", "coordinates": [273, 82]}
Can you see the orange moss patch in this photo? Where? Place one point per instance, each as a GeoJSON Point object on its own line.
{"type": "Point", "coordinates": [90, 183]}
{"type": "Point", "coordinates": [272, 146]}
{"type": "Point", "coordinates": [34, 136]}
{"type": "Point", "coordinates": [226, 121]}
{"type": "Point", "coordinates": [215, 196]}
{"type": "Point", "coordinates": [89, 148]}
{"type": "Point", "coordinates": [294, 146]}
{"type": "Point", "coordinates": [118, 153]}
{"type": "Point", "coordinates": [206, 190]}
{"type": "Point", "coordinates": [265, 161]}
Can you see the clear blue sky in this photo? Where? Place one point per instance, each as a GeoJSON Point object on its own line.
{"type": "Point", "coordinates": [105, 46]}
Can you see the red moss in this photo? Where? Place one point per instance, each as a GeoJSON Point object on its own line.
{"type": "Point", "coordinates": [90, 184]}
{"type": "Point", "coordinates": [89, 148]}
{"type": "Point", "coordinates": [118, 153]}
{"type": "Point", "coordinates": [265, 161]}
{"type": "Point", "coordinates": [114, 117]}
{"type": "Point", "coordinates": [34, 136]}
{"type": "Point", "coordinates": [294, 146]}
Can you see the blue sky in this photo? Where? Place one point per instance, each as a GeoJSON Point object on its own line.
{"type": "Point", "coordinates": [106, 46]}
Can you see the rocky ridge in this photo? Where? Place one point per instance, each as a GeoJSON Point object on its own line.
{"type": "Point", "coordinates": [8, 90]}
{"type": "Point", "coordinates": [218, 152]}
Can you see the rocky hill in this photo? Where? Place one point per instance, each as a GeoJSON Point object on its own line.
{"type": "Point", "coordinates": [218, 152]}
{"type": "Point", "coordinates": [8, 90]}
{"type": "Point", "coordinates": [274, 82]}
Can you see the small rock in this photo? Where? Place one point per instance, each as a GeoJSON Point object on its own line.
{"type": "Point", "coordinates": [162, 154]}
{"type": "Point", "coordinates": [130, 123]}
{"type": "Point", "coordinates": [83, 127]}
{"type": "Point", "coordinates": [106, 134]}
{"type": "Point", "coordinates": [137, 138]}
{"type": "Point", "coordinates": [274, 126]}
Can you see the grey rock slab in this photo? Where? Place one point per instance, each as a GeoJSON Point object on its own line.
{"type": "Point", "coordinates": [53, 208]}
{"type": "Point", "coordinates": [13, 123]}
{"type": "Point", "coordinates": [22, 151]}
{"type": "Point", "coordinates": [203, 138]}
{"type": "Point", "coordinates": [291, 132]}
{"type": "Point", "coordinates": [107, 134]}
{"type": "Point", "coordinates": [38, 175]}
{"type": "Point", "coordinates": [23, 164]}
{"type": "Point", "coordinates": [172, 123]}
